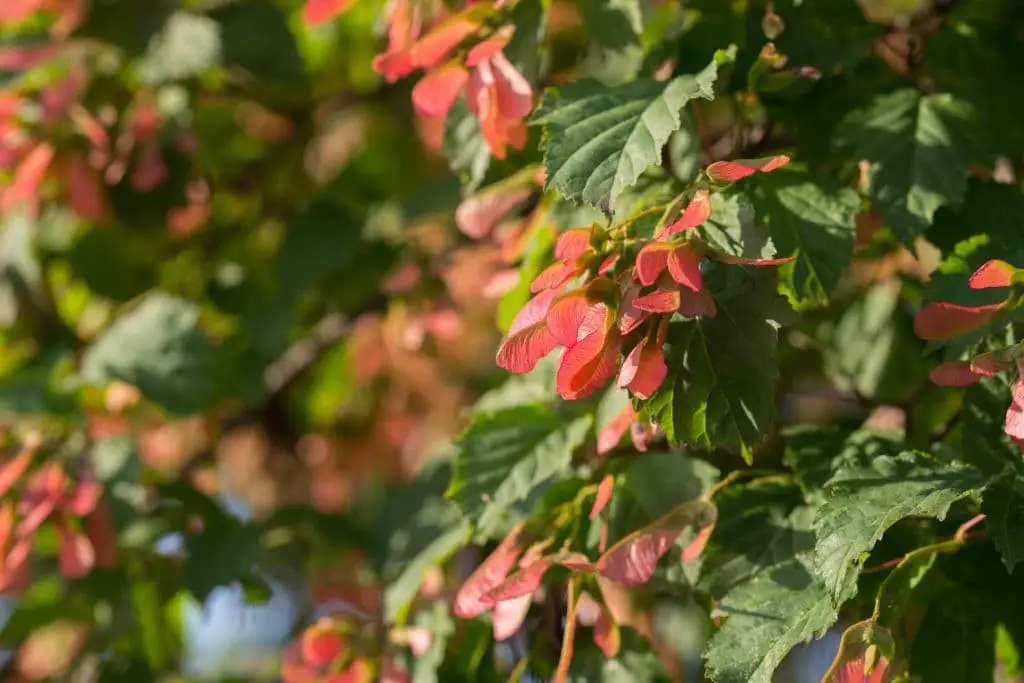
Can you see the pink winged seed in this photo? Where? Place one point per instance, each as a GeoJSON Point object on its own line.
{"type": "Point", "coordinates": [992, 274]}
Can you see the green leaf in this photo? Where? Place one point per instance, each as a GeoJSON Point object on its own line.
{"type": "Point", "coordinates": [467, 153]}
{"type": "Point", "coordinates": [505, 456]}
{"type": "Point", "coordinates": [869, 347]}
{"type": "Point", "coordinates": [614, 28]}
{"type": "Point", "coordinates": [653, 485]}
{"type": "Point", "coordinates": [21, 277]}
{"type": "Point", "coordinates": [157, 347]}
{"type": "Point", "coordinates": [830, 35]}
{"type": "Point", "coordinates": [598, 140]}
{"type": "Point", "coordinates": [734, 227]}
{"type": "Point", "coordinates": [766, 618]}
{"type": "Point", "coordinates": [536, 386]}
{"type": "Point", "coordinates": [811, 218]}
{"type": "Point", "coordinates": [441, 626]}
{"type": "Point", "coordinates": [187, 45]}
{"type": "Point", "coordinates": [1003, 505]}
{"type": "Point", "coordinates": [719, 392]}
{"type": "Point", "coordinates": [257, 43]}
{"type": "Point", "coordinates": [865, 500]}
{"type": "Point", "coordinates": [223, 552]}
{"type": "Point", "coordinates": [126, 23]}
{"type": "Point", "coordinates": [919, 148]}
{"type": "Point", "coordinates": [956, 640]}
{"type": "Point", "coordinates": [399, 594]}
{"type": "Point", "coordinates": [761, 524]}
{"type": "Point", "coordinates": [321, 240]}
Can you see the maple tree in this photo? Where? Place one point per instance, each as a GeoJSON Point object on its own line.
{"type": "Point", "coordinates": [568, 340]}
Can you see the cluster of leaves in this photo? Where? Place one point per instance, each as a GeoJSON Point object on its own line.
{"type": "Point", "coordinates": [759, 268]}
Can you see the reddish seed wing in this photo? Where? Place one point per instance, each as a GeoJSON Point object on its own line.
{"type": "Point", "coordinates": [320, 11]}
{"type": "Point", "coordinates": [696, 213]}
{"type": "Point", "coordinates": [490, 573]}
{"type": "Point", "coordinates": [651, 261]}
{"type": "Point", "coordinates": [1014, 425]}
{"type": "Point", "coordinates": [84, 191]}
{"type": "Point", "coordinates": [521, 351]}
{"type": "Point", "coordinates": [606, 635]}
{"type": "Point", "coordinates": [24, 188]}
{"type": "Point", "coordinates": [321, 645]}
{"type": "Point", "coordinates": [631, 364]}
{"type": "Point", "coordinates": [957, 374]}
{"type": "Point", "coordinates": [731, 171]}
{"type": "Point", "coordinates": [487, 48]}
{"type": "Point", "coordinates": [566, 315]}
{"type": "Point", "coordinates": [553, 277]}
{"type": "Point", "coordinates": [12, 470]}
{"type": "Point", "coordinates": [650, 373]}
{"type": "Point", "coordinates": [589, 364]}
{"type": "Point", "coordinates": [632, 560]}
{"type": "Point", "coordinates": [604, 495]}
{"type": "Point", "coordinates": [659, 301]}
{"type": "Point", "coordinates": [509, 615]}
{"type": "Point", "coordinates": [514, 94]}
{"type": "Point", "coordinates": [523, 582]}
{"type": "Point", "coordinates": [572, 243]}
{"type": "Point", "coordinates": [611, 434]}
{"type": "Point", "coordinates": [696, 547]}
{"type": "Point", "coordinates": [76, 556]}
{"type": "Point", "coordinates": [994, 273]}
{"type": "Point", "coordinates": [684, 266]}
{"type": "Point", "coordinates": [476, 216]}
{"type": "Point", "coordinates": [436, 92]}
{"type": "Point", "coordinates": [435, 46]}
{"type": "Point", "coordinates": [944, 320]}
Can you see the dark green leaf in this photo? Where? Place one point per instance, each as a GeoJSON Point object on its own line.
{"type": "Point", "coordinates": [1003, 505]}
{"type": "Point", "coordinates": [158, 348]}
{"type": "Point", "coordinates": [505, 456]}
{"type": "Point", "coordinates": [615, 27]}
{"type": "Point", "coordinates": [766, 618]}
{"type": "Point", "coordinates": [719, 392]}
{"type": "Point", "coordinates": [864, 501]}
{"type": "Point", "coordinates": [956, 640]}
{"type": "Point", "coordinates": [811, 218]}
{"type": "Point", "coordinates": [735, 228]}
{"type": "Point", "coordinates": [598, 140]}
{"type": "Point", "coordinates": [468, 154]}
{"type": "Point", "coordinates": [919, 148]}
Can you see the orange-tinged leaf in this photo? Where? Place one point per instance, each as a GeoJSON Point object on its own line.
{"type": "Point", "coordinates": [958, 374]}
{"type": "Point", "coordinates": [491, 572]}
{"type": "Point", "coordinates": [604, 495]}
{"type": "Point", "coordinates": [994, 273]}
{"type": "Point", "coordinates": [943, 320]}
{"type": "Point", "coordinates": [696, 213]}
{"type": "Point", "coordinates": [633, 560]}
{"type": "Point", "coordinates": [684, 266]}
{"type": "Point", "coordinates": [436, 92]}
{"type": "Point", "coordinates": [731, 171]}
{"type": "Point", "coordinates": [521, 351]}
{"type": "Point", "coordinates": [319, 11]}
{"type": "Point", "coordinates": [651, 261]}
